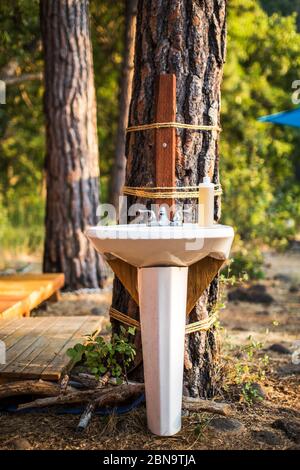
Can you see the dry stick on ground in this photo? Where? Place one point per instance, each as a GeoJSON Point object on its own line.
{"type": "Point", "coordinates": [64, 384]}
{"type": "Point", "coordinates": [29, 387]}
{"type": "Point", "coordinates": [197, 404]}
{"type": "Point", "coordinates": [117, 394]}
{"type": "Point", "coordinates": [100, 396]}
{"type": "Point", "coordinates": [86, 416]}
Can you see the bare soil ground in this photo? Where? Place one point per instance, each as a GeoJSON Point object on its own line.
{"type": "Point", "coordinates": [266, 415]}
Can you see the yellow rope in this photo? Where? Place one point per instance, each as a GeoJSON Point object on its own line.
{"type": "Point", "coordinates": [180, 192]}
{"type": "Point", "coordinates": [202, 325]}
{"type": "Point", "coordinates": [178, 125]}
{"type": "Point", "coordinates": [114, 313]}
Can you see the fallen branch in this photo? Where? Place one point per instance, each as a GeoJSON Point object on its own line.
{"type": "Point", "coordinates": [101, 396]}
{"type": "Point", "coordinates": [86, 417]}
{"type": "Point", "coordinates": [64, 384]}
{"type": "Point", "coordinates": [89, 381]}
{"type": "Point", "coordinates": [96, 397]}
{"type": "Point", "coordinates": [29, 387]}
{"type": "Point", "coordinates": [197, 404]}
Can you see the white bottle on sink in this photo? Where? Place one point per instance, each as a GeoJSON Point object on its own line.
{"type": "Point", "coordinates": [206, 203]}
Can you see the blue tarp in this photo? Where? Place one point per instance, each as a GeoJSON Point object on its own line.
{"type": "Point", "coordinates": [286, 118]}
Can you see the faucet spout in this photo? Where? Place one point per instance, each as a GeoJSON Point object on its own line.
{"type": "Point", "coordinates": [163, 216]}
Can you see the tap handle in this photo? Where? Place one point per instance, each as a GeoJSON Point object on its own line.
{"type": "Point", "coordinates": [178, 216]}
{"type": "Point", "coordinates": [150, 213]}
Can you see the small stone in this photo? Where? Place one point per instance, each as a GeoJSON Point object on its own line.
{"type": "Point", "coordinates": [227, 425]}
{"type": "Point", "coordinates": [268, 437]}
{"type": "Point", "coordinates": [289, 369]}
{"type": "Point", "coordinates": [239, 328]}
{"type": "Point", "coordinates": [290, 427]}
{"type": "Point", "coordinates": [255, 294]}
{"type": "Point", "coordinates": [279, 348]}
{"type": "Point", "coordinates": [263, 313]}
{"type": "Point", "coordinates": [97, 311]}
{"type": "Point", "coordinates": [20, 444]}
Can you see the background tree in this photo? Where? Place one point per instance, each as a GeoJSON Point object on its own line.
{"type": "Point", "coordinates": [72, 168]}
{"type": "Point", "coordinates": [118, 171]}
{"type": "Point", "coordinates": [187, 39]}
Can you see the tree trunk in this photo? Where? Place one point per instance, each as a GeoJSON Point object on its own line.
{"type": "Point", "coordinates": [118, 176]}
{"type": "Point", "coordinates": [186, 38]}
{"type": "Point", "coordinates": [72, 166]}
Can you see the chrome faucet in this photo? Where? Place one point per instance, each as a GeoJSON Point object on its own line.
{"type": "Point", "coordinates": [152, 220]}
{"type": "Point", "coordinates": [178, 216]}
{"type": "Point", "coordinates": [163, 219]}
{"type": "Point", "coordinates": [151, 216]}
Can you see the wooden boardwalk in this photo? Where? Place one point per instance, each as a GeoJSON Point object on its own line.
{"type": "Point", "coordinates": [36, 346]}
{"type": "Point", "coordinates": [19, 294]}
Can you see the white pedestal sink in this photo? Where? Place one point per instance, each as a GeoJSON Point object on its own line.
{"type": "Point", "coordinates": [162, 256]}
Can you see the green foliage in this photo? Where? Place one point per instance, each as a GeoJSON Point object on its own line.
{"type": "Point", "coordinates": [259, 162]}
{"type": "Point", "coordinates": [102, 356]}
{"type": "Point", "coordinates": [249, 370]}
{"type": "Point", "coordinates": [285, 7]}
{"type": "Point", "coordinates": [247, 261]}
{"type": "Point", "coordinates": [250, 393]}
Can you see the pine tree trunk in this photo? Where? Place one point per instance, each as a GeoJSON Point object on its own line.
{"type": "Point", "coordinates": [72, 166]}
{"type": "Point", "coordinates": [186, 38]}
{"type": "Point", "coordinates": [118, 176]}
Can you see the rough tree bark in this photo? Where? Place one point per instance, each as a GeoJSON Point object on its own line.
{"type": "Point", "coordinates": [118, 176]}
{"type": "Point", "coordinates": [186, 38]}
{"type": "Point", "coordinates": [72, 166]}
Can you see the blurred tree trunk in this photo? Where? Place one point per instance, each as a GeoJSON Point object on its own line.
{"type": "Point", "coordinates": [118, 176]}
{"type": "Point", "coordinates": [72, 166]}
{"type": "Point", "coordinates": [187, 39]}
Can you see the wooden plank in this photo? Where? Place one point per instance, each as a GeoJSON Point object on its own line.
{"type": "Point", "coordinates": [61, 363]}
{"type": "Point", "coordinates": [31, 361]}
{"type": "Point", "coordinates": [165, 138]}
{"type": "Point", "coordinates": [21, 293]}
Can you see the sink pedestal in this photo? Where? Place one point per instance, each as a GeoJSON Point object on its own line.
{"type": "Point", "coordinates": [162, 299]}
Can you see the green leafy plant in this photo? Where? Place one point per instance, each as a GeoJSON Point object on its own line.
{"type": "Point", "coordinates": [248, 261]}
{"type": "Point", "coordinates": [250, 393]}
{"type": "Point", "coordinates": [102, 356]}
{"type": "Point", "coordinates": [249, 370]}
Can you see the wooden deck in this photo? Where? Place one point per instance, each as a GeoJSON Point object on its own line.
{"type": "Point", "coordinates": [36, 346]}
{"type": "Point", "coordinates": [19, 294]}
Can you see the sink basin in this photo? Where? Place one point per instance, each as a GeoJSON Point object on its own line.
{"type": "Point", "coordinates": [162, 258]}
{"type": "Point", "coordinates": [144, 246]}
